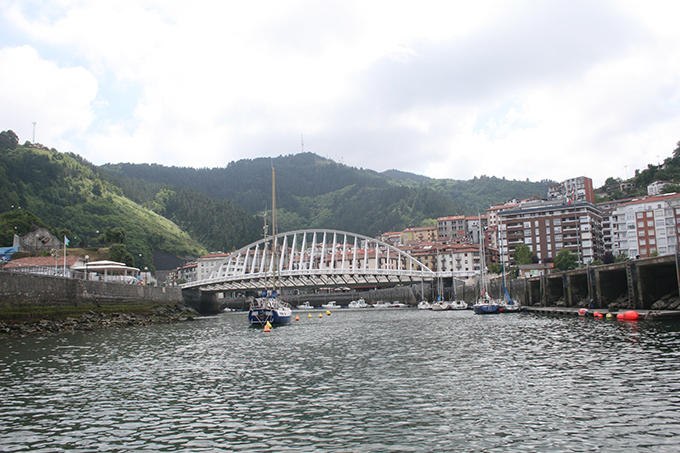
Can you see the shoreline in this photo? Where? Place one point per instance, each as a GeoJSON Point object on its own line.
{"type": "Point", "coordinates": [95, 320]}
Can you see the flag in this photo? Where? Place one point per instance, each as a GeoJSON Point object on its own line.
{"type": "Point", "coordinates": [65, 241]}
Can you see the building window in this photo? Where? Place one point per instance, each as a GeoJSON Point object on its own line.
{"type": "Point", "coordinates": [643, 251]}
{"type": "Point", "coordinates": [641, 224]}
{"type": "Point", "coordinates": [649, 214]}
{"type": "Point", "coordinates": [547, 222]}
{"type": "Point", "coordinates": [652, 241]}
{"type": "Point", "coordinates": [640, 215]}
{"type": "Point", "coordinates": [643, 242]}
{"type": "Point", "coordinates": [650, 223]}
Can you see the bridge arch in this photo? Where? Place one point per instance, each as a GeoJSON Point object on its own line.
{"type": "Point", "coordinates": [314, 258]}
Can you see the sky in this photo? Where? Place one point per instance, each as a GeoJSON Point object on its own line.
{"type": "Point", "coordinates": [448, 89]}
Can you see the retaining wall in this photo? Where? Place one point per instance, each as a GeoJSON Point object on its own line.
{"type": "Point", "coordinates": [30, 295]}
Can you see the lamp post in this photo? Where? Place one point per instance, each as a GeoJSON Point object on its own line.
{"type": "Point", "coordinates": [146, 274]}
{"type": "Point", "coordinates": [87, 259]}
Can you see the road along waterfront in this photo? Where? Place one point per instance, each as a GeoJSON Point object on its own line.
{"type": "Point", "coordinates": [354, 381]}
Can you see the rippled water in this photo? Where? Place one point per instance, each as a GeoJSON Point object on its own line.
{"type": "Point", "coordinates": [355, 381]}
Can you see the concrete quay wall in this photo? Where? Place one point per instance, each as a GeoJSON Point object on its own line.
{"type": "Point", "coordinates": [643, 284]}
{"type": "Point", "coordinates": [29, 295]}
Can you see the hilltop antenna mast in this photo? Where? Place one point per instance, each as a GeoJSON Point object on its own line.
{"type": "Point", "coordinates": [33, 132]}
{"type": "Point", "coordinates": [302, 142]}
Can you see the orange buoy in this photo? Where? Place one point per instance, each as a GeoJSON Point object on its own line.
{"type": "Point", "coordinates": [630, 315]}
{"type": "Point", "coordinates": [582, 312]}
{"type": "Point", "coordinates": [297, 318]}
{"type": "Point", "coordinates": [597, 314]}
{"type": "Point", "coordinates": [267, 328]}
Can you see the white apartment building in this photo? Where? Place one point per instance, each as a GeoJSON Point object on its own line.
{"type": "Point", "coordinates": [647, 226]}
{"type": "Point", "coordinates": [209, 263]}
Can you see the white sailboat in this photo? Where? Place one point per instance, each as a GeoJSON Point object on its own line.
{"type": "Point", "coordinates": [269, 309]}
{"type": "Point", "coordinates": [484, 304]}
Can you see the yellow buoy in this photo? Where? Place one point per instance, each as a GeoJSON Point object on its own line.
{"type": "Point", "coordinates": [609, 315]}
{"type": "Point", "coordinates": [320, 315]}
{"type": "Point", "coordinates": [328, 312]}
{"type": "Point", "coordinates": [297, 318]}
{"type": "Point", "coordinates": [268, 325]}
{"type": "Point", "coordinates": [310, 315]}
{"type": "Point", "coordinates": [267, 328]}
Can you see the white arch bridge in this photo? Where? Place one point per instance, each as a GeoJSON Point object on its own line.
{"type": "Point", "coordinates": [314, 258]}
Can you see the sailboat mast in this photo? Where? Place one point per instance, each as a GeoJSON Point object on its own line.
{"type": "Point", "coordinates": [274, 227]}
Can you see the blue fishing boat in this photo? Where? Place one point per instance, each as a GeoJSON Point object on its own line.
{"type": "Point", "coordinates": [484, 304]}
{"type": "Point", "coordinates": [269, 308]}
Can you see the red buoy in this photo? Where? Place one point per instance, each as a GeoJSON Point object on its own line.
{"type": "Point", "coordinates": [582, 312]}
{"type": "Point", "coordinates": [631, 315]}
{"type": "Point", "coordinates": [597, 314]}
{"type": "Point", "coordinates": [619, 316]}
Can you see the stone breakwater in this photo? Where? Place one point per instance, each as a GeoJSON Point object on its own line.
{"type": "Point", "coordinates": [97, 320]}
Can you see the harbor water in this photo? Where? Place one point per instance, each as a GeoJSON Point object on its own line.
{"type": "Point", "coordinates": [397, 380]}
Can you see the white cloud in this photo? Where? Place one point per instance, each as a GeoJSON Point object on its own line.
{"type": "Point", "coordinates": [450, 89]}
{"type": "Point", "coordinates": [58, 99]}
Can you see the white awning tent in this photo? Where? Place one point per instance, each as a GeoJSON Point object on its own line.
{"type": "Point", "coordinates": [108, 271]}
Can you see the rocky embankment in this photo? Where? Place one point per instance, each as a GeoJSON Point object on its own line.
{"type": "Point", "coordinates": [97, 320]}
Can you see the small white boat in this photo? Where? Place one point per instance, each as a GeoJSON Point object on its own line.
{"type": "Point", "coordinates": [381, 304]}
{"type": "Point", "coordinates": [361, 303]}
{"type": "Point", "coordinates": [331, 304]}
{"type": "Point", "coordinates": [424, 305]}
{"type": "Point", "coordinates": [397, 304]}
{"type": "Point", "coordinates": [459, 305]}
{"type": "Point", "coordinates": [441, 306]}
{"type": "Point", "coordinates": [305, 306]}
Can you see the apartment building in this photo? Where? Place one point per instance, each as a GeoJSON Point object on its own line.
{"type": "Point", "coordinates": [451, 227]}
{"type": "Point", "coordinates": [209, 263]}
{"type": "Point", "coordinates": [574, 189]}
{"type": "Point", "coordinates": [427, 234]}
{"type": "Point", "coordinates": [548, 226]}
{"type": "Point", "coordinates": [647, 226]}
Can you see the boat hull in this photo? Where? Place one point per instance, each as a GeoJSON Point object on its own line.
{"type": "Point", "coordinates": [486, 309]}
{"type": "Point", "coordinates": [275, 316]}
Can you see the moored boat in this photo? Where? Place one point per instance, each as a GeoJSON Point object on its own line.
{"type": "Point", "coordinates": [459, 305]}
{"type": "Point", "coordinates": [331, 304]}
{"type": "Point", "coordinates": [484, 304]}
{"type": "Point", "coordinates": [424, 305]}
{"type": "Point", "coordinates": [361, 303]}
{"type": "Point", "coordinates": [269, 309]}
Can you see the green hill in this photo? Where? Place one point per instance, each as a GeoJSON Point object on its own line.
{"type": "Point", "coordinates": [66, 193]}
{"type": "Point", "coordinates": [316, 192]}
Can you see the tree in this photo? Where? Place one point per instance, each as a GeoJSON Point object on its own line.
{"type": "Point", "coordinates": [522, 254]}
{"type": "Point", "coordinates": [115, 235]}
{"type": "Point", "coordinates": [621, 257]}
{"type": "Point", "coordinates": [566, 260]}
{"type": "Point", "coordinates": [118, 252]}
{"type": "Point", "coordinates": [495, 268]}
{"type": "Point", "coordinates": [8, 140]}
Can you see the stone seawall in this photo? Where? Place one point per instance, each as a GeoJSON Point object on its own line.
{"type": "Point", "coordinates": [32, 296]}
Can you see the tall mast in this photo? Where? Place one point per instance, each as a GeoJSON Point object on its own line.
{"type": "Point", "coordinates": [274, 226]}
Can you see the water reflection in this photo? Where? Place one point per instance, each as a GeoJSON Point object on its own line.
{"type": "Point", "coordinates": [383, 380]}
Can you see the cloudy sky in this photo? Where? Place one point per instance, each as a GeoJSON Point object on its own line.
{"type": "Point", "coordinates": [448, 89]}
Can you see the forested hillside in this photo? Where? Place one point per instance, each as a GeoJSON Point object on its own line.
{"type": "Point", "coordinates": [187, 211]}
{"type": "Point", "coordinates": [317, 192]}
{"type": "Point", "coordinates": [65, 193]}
